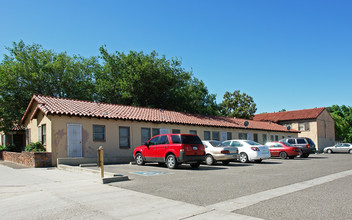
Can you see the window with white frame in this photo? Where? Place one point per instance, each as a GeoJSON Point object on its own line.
{"type": "Point", "coordinates": [304, 126]}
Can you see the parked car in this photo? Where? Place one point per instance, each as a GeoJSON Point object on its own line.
{"type": "Point", "coordinates": [217, 151]}
{"type": "Point", "coordinates": [306, 144]}
{"type": "Point", "coordinates": [339, 148]}
{"type": "Point", "coordinates": [283, 150]}
{"type": "Point", "coordinates": [172, 149]}
{"type": "Point", "coordinates": [249, 150]}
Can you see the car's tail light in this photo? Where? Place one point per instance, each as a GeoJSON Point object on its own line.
{"type": "Point", "coordinates": [225, 152]}
{"type": "Point", "coordinates": [308, 146]}
{"type": "Point", "coordinates": [255, 148]}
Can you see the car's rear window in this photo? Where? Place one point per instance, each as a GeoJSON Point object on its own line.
{"type": "Point", "coordinates": [310, 141]}
{"type": "Point", "coordinates": [217, 144]}
{"type": "Point", "coordinates": [190, 139]}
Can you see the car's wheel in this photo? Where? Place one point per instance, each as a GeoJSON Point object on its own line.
{"type": "Point", "coordinates": [171, 161]}
{"type": "Point", "coordinates": [291, 157]}
{"type": "Point", "coordinates": [283, 155]}
{"type": "Point", "coordinates": [139, 159]}
{"type": "Point", "coordinates": [195, 165]}
{"type": "Point", "coordinates": [225, 162]}
{"type": "Point", "coordinates": [329, 151]}
{"type": "Point", "coordinates": [258, 161]}
{"type": "Point", "coordinates": [350, 151]}
{"type": "Point", "coordinates": [209, 160]}
{"type": "Point", "coordinates": [243, 158]}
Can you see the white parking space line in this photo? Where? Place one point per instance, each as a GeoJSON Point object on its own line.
{"type": "Point", "coordinates": [245, 201]}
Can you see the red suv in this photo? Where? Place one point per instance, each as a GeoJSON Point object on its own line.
{"type": "Point", "coordinates": [172, 149]}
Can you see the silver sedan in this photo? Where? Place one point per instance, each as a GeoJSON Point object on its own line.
{"type": "Point", "coordinates": [217, 151]}
{"type": "Point", "coordinates": [339, 148]}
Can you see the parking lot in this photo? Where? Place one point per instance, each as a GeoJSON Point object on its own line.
{"type": "Point", "coordinates": [216, 185]}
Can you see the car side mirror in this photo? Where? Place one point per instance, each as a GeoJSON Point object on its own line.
{"type": "Point", "coordinates": [147, 144]}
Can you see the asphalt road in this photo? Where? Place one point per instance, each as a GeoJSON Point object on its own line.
{"type": "Point", "coordinates": [318, 187]}
{"type": "Point", "coordinates": [211, 185]}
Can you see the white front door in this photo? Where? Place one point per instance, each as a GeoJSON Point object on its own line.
{"type": "Point", "coordinates": [74, 140]}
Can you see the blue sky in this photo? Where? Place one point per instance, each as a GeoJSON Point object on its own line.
{"type": "Point", "coordinates": [286, 54]}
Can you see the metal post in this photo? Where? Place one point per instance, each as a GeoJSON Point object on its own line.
{"type": "Point", "coordinates": [101, 160]}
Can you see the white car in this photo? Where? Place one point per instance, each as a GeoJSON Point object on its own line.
{"type": "Point", "coordinates": [339, 148]}
{"type": "Point", "coordinates": [217, 151]}
{"type": "Point", "coordinates": [250, 150]}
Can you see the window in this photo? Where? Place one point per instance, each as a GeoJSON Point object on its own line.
{"type": "Point", "coordinates": [44, 134]}
{"type": "Point", "coordinates": [145, 135]}
{"type": "Point", "coordinates": [154, 141]}
{"type": "Point", "coordinates": [124, 134]}
{"type": "Point", "coordinates": [155, 131]}
{"type": "Point", "coordinates": [28, 136]}
{"type": "Point", "coordinates": [236, 144]}
{"type": "Point", "coordinates": [276, 137]}
{"type": "Point", "coordinates": [291, 141]}
{"type": "Point", "coordinates": [255, 137]}
{"type": "Point", "coordinates": [304, 126]}
{"type": "Point", "coordinates": [192, 131]}
{"type": "Point", "coordinates": [265, 139]}
{"type": "Point", "coordinates": [229, 135]}
{"type": "Point", "coordinates": [176, 131]}
{"type": "Point", "coordinates": [272, 138]}
{"type": "Point", "coordinates": [163, 139]}
{"type": "Point", "coordinates": [98, 132]}
{"type": "Point", "coordinates": [216, 136]}
{"type": "Point", "coordinates": [242, 136]}
{"type": "Point", "coordinates": [207, 135]}
{"type": "Point", "coordinates": [301, 141]}
{"type": "Point", "coordinates": [176, 139]}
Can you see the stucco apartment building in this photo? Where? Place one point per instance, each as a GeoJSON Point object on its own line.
{"type": "Point", "coordinates": [315, 123]}
{"type": "Point", "coordinates": [73, 128]}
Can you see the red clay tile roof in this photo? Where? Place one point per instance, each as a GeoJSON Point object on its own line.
{"type": "Point", "coordinates": [289, 115]}
{"type": "Point", "coordinates": [70, 107]}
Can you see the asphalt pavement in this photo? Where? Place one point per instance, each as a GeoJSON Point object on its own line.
{"type": "Point", "coordinates": [314, 188]}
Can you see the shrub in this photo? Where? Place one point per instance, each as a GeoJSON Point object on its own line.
{"type": "Point", "coordinates": [2, 147]}
{"type": "Point", "coordinates": [35, 147]}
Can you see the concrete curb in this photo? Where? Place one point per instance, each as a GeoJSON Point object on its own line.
{"type": "Point", "coordinates": [108, 176]}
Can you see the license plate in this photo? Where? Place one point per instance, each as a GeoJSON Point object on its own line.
{"type": "Point", "coordinates": [195, 148]}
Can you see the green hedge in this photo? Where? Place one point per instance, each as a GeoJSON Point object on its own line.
{"type": "Point", "coordinates": [35, 147]}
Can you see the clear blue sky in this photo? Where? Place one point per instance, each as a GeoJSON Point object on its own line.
{"type": "Point", "coordinates": [286, 54]}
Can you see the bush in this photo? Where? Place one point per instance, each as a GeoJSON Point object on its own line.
{"type": "Point", "coordinates": [2, 147]}
{"type": "Point", "coordinates": [35, 147]}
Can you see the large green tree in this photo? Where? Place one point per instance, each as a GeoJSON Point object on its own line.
{"type": "Point", "coordinates": [343, 122]}
{"type": "Point", "coordinates": [140, 79]}
{"type": "Point", "coordinates": [29, 69]}
{"type": "Point", "coordinates": [237, 104]}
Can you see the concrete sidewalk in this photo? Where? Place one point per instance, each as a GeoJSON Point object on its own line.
{"type": "Point", "coordinates": [50, 193]}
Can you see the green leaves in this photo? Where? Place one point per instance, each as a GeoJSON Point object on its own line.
{"type": "Point", "coordinates": [238, 105]}
{"type": "Point", "coordinates": [343, 122]}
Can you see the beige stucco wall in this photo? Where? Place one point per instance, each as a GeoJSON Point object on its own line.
{"type": "Point", "coordinates": [325, 130]}
{"type": "Point", "coordinates": [322, 130]}
{"type": "Point", "coordinates": [112, 151]}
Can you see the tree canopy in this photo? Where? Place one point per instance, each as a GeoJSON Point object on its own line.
{"type": "Point", "coordinates": [238, 105]}
{"type": "Point", "coordinates": [30, 69]}
{"type": "Point", "coordinates": [135, 78]}
{"type": "Point", "coordinates": [343, 122]}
